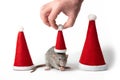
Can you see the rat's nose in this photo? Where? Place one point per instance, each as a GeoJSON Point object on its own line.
{"type": "Point", "coordinates": [62, 64]}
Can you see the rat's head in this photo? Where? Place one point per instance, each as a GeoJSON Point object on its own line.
{"type": "Point", "coordinates": [61, 59]}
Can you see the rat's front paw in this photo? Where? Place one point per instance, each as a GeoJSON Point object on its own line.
{"type": "Point", "coordinates": [61, 68]}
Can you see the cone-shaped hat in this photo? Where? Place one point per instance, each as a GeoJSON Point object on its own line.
{"type": "Point", "coordinates": [60, 46]}
{"type": "Point", "coordinates": [92, 57]}
{"type": "Point", "coordinates": [23, 59]}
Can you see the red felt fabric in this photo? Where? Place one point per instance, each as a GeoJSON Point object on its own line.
{"type": "Point", "coordinates": [22, 57]}
{"type": "Point", "coordinates": [92, 53]}
{"type": "Point", "coordinates": [60, 43]}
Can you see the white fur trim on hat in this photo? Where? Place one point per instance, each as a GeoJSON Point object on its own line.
{"type": "Point", "coordinates": [92, 17]}
{"type": "Point", "coordinates": [25, 68]}
{"type": "Point", "coordinates": [21, 28]}
{"type": "Point", "coordinates": [60, 27]}
{"type": "Point", "coordinates": [93, 68]}
{"type": "Point", "coordinates": [59, 51]}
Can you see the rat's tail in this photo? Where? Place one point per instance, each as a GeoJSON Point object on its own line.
{"type": "Point", "coordinates": [35, 68]}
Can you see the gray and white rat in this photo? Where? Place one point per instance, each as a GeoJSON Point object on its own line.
{"type": "Point", "coordinates": [54, 60]}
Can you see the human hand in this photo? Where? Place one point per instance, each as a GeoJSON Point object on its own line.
{"type": "Point", "coordinates": [51, 10]}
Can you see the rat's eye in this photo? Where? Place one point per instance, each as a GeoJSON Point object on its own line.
{"type": "Point", "coordinates": [59, 59]}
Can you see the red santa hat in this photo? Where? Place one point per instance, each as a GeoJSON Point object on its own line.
{"type": "Point", "coordinates": [60, 46]}
{"type": "Point", "coordinates": [92, 58]}
{"type": "Point", "coordinates": [23, 59]}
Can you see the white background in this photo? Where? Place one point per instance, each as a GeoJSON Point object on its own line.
{"type": "Point", "coordinates": [39, 38]}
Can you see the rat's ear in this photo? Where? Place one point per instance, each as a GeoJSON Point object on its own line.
{"type": "Point", "coordinates": [66, 55]}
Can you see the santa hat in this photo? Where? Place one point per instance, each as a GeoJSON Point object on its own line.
{"type": "Point", "coordinates": [23, 59]}
{"type": "Point", "coordinates": [60, 46]}
{"type": "Point", "coordinates": [92, 58]}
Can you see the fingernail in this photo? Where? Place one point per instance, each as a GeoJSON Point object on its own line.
{"type": "Point", "coordinates": [55, 28]}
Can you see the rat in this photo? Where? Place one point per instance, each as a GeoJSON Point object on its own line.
{"type": "Point", "coordinates": [54, 60]}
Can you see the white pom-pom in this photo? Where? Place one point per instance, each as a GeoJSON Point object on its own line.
{"type": "Point", "coordinates": [60, 27]}
{"type": "Point", "coordinates": [92, 17]}
{"type": "Point", "coordinates": [21, 28]}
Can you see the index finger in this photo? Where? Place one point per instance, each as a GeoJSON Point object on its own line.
{"type": "Point", "coordinates": [53, 16]}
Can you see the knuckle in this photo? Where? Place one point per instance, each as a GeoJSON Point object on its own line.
{"type": "Point", "coordinates": [51, 18]}
{"type": "Point", "coordinates": [41, 12]}
{"type": "Point", "coordinates": [42, 8]}
{"type": "Point", "coordinates": [41, 15]}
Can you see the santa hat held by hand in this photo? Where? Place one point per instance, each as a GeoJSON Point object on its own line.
{"type": "Point", "coordinates": [92, 58]}
{"type": "Point", "coordinates": [60, 46]}
{"type": "Point", "coordinates": [23, 59]}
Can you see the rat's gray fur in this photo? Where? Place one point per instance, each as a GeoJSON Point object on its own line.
{"type": "Point", "coordinates": [54, 60]}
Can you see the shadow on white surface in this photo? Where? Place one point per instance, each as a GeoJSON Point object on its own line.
{"type": "Point", "coordinates": [73, 66]}
{"type": "Point", "coordinates": [108, 53]}
{"type": "Point", "coordinates": [73, 61]}
{"type": "Point", "coordinates": [109, 56]}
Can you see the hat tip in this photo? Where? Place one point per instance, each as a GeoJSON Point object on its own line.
{"type": "Point", "coordinates": [21, 28]}
{"type": "Point", "coordinates": [60, 27]}
{"type": "Point", "coordinates": [92, 17]}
